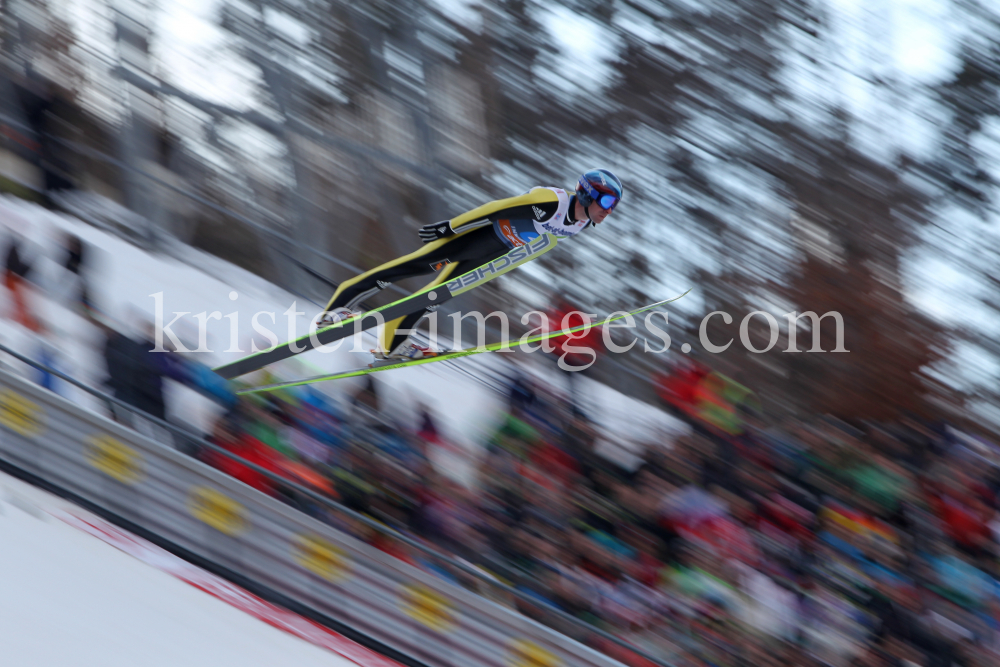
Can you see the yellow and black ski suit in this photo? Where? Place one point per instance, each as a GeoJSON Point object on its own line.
{"type": "Point", "coordinates": [480, 236]}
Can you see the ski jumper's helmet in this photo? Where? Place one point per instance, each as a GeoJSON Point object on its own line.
{"type": "Point", "coordinates": [599, 185]}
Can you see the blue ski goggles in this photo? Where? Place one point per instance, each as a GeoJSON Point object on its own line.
{"type": "Point", "coordinates": [607, 202]}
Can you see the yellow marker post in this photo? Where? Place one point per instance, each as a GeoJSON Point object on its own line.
{"type": "Point", "coordinates": [20, 415]}
{"type": "Point", "coordinates": [427, 607]}
{"type": "Point", "coordinates": [218, 511]}
{"type": "Point", "coordinates": [114, 459]}
{"type": "Point", "coordinates": [524, 653]}
{"type": "Point", "coordinates": [321, 557]}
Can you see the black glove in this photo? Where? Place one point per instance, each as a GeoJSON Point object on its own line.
{"type": "Point", "coordinates": [435, 231]}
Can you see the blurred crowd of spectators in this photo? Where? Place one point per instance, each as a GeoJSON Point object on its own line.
{"type": "Point", "coordinates": [744, 542]}
{"type": "Point", "coordinates": [799, 543]}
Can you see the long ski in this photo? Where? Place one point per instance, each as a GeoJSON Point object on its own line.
{"type": "Point", "coordinates": [416, 302]}
{"type": "Point", "coordinates": [448, 356]}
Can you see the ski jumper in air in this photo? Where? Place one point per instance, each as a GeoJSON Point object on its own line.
{"type": "Point", "coordinates": [472, 239]}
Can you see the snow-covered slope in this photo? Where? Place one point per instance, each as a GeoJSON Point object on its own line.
{"type": "Point", "coordinates": [68, 598]}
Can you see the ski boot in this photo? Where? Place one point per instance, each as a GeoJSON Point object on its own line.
{"type": "Point", "coordinates": [334, 316]}
{"type": "Point", "coordinates": [406, 351]}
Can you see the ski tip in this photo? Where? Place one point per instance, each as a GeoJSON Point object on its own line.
{"type": "Point", "coordinates": [679, 296]}
{"type": "Point", "coordinates": [665, 301]}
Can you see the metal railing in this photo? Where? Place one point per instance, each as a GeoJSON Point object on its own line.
{"type": "Point", "coordinates": [339, 508]}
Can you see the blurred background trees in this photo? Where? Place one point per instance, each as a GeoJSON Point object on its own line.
{"type": "Point", "coordinates": [777, 155]}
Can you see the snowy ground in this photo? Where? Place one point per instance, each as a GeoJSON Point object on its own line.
{"type": "Point", "coordinates": [68, 598]}
{"type": "Point", "coordinates": [125, 279]}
